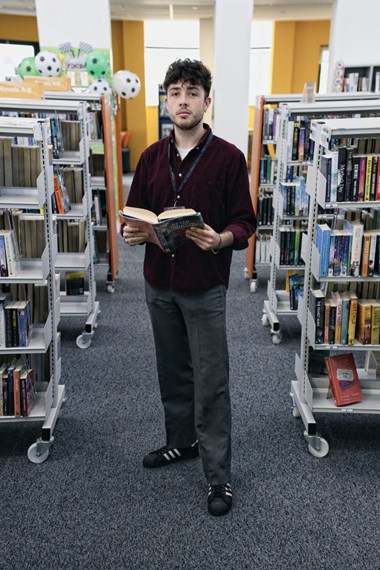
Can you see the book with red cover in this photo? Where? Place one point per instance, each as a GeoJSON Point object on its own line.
{"type": "Point", "coordinates": [344, 380]}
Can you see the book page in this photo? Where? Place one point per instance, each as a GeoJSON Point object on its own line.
{"type": "Point", "coordinates": [138, 214]}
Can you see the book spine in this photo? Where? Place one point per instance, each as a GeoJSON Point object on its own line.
{"type": "Point", "coordinates": [367, 186]}
{"type": "Point", "coordinates": [362, 177]}
{"type": "Point", "coordinates": [352, 316]}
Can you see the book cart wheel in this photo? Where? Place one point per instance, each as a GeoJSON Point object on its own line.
{"type": "Point", "coordinates": [83, 340]}
{"type": "Point", "coordinates": [253, 286]}
{"type": "Point", "coordinates": [318, 446]}
{"type": "Point", "coordinates": [276, 337]}
{"type": "Point", "coordinates": [38, 452]}
{"type": "Point", "coordinates": [295, 412]}
{"type": "Point", "coordinates": [265, 320]}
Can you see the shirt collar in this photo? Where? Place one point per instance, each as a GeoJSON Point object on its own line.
{"type": "Point", "coordinates": [201, 142]}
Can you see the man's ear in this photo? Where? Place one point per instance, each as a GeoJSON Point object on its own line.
{"type": "Point", "coordinates": [207, 103]}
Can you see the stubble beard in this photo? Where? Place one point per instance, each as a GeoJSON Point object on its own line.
{"type": "Point", "coordinates": [187, 126]}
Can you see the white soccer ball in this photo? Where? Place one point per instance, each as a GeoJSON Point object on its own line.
{"type": "Point", "coordinates": [100, 86]}
{"type": "Point", "coordinates": [48, 64]}
{"type": "Point", "coordinates": [126, 84]}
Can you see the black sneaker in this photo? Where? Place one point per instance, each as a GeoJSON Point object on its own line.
{"type": "Point", "coordinates": [167, 455]}
{"type": "Point", "coordinates": [219, 499]}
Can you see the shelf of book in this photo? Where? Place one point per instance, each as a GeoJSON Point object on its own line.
{"type": "Point", "coordinates": [30, 364]}
{"type": "Point", "coordinates": [105, 174]}
{"type": "Point", "coordinates": [339, 310]}
{"type": "Point", "coordinates": [295, 153]}
{"type": "Point", "coordinates": [264, 163]}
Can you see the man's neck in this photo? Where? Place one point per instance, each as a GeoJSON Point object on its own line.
{"type": "Point", "coordinates": [188, 138]}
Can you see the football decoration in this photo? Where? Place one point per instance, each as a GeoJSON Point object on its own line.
{"type": "Point", "coordinates": [27, 67]}
{"type": "Point", "coordinates": [48, 64]}
{"type": "Point", "coordinates": [96, 64]}
{"type": "Point", "coordinates": [126, 84]}
{"type": "Point", "coordinates": [100, 86]}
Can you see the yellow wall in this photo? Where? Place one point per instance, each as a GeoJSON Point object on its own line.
{"type": "Point", "coordinates": [133, 60]}
{"type": "Point", "coordinates": [22, 28]}
{"type": "Point", "coordinates": [296, 53]}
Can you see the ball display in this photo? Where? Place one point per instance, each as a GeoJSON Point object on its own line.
{"type": "Point", "coordinates": [100, 86]}
{"type": "Point", "coordinates": [48, 64]}
{"type": "Point", "coordinates": [96, 64]}
{"type": "Point", "coordinates": [27, 67]}
{"type": "Point", "coordinates": [126, 84]}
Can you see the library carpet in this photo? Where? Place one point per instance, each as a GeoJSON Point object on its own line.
{"type": "Point", "coordinates": [91, 505]}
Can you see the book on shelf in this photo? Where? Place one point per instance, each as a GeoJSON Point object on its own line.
{"type": "Point", "coordinates": [344, 380]}
{"type": "Point", "coordinates": [74, 282]}
{"type": "Point", "coordinates": [322, 243]}
{"type": "Point", "coordinates": [356, 229]}
{"type": "Point", "coordinates": [167, 230]}
{"type": "Point", "coordinates": [12, 252]}
{"type": "Point", "coordinates": [364, 317]}
{"type": "Point", "coordinates": [317, 309]}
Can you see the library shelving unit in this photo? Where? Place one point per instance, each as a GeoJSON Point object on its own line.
{"type": "Point", "coordinates": [310, 391]}
{"type": "Point", "coordinates": [102, 171]}
{"type": "Point", "coordinates": [83, 305]}
{"type": "Point", "coordinates": [292, 169]}
{"type": "Point", "coordinates": [362, 78]}
{"type": "Point", "coordinates": [41, 348]}
{"type": "Point", "coordinates": [264, 171]}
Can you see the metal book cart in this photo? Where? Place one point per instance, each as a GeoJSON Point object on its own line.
{"type": "Point", "coordinates": [277, 305]}
{"type": "Point", "coordinates": [310, 391]}
{"type": "Point", "coordinates": [43, 339]}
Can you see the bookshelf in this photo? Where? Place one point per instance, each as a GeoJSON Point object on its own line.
{"type": "Point", "coordinates": [292, 170]}
{"type": "Point", "coordinates": [324, 331]}
{"type": "Point", "coordinates": [80, 257]}
{"type": "Point", "coordinates": [361, 78]}
{"type": "Point", "coordinates": [29, 337]}
{"type": "Point", "coordinates": [258, 251]}
{"type": "Point", "coordinates": [102, 171]}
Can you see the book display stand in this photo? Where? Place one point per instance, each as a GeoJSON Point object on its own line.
{"type": "Point", "coordinates": [264, 172]}
{"type": "Point", "coordinates": [102, 171]}
{"type": "Point", "coordinates": [78, 256]}
{"type": "Point", "coordinates": [354, 331]}
{"type": "Point", "coordinates": [290, 200]}
{"type": "Point", "coordinates": [30, 391]}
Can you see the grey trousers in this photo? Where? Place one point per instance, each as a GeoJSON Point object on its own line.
{"type": "Point", "coordinates": [193, 371]}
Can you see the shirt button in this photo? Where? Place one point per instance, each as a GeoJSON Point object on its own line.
{"type": "Point", "coordinates": [180, 175]}
{"type": "Point", "coordinates": [173, 254]}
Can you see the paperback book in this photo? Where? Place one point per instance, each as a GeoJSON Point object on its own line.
{"type": "Point", "coordinates": [344, 379]}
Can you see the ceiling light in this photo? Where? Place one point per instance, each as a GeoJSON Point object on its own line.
{"type": "Point", "coordinates": [171, 13]}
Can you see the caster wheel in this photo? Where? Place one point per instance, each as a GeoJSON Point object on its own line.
{"type": "Point", "coordinates": [264, 320]}
{"type": "Point", "coordinates": [322, 452]}
{"type": "Point", "coordinates": [295, 412]}
{"type": "Point", "coordinates": [253, 287]}
{"type": "Point", "coordinates": [276, 338]}
{"type": "Point", "coordinates": [110, 288]}
{"type": "Point", "coordinates": [34, 457]}
{"type": "Point", "coordinates": [82, 343]}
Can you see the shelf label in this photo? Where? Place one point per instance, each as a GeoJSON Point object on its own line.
{"type": "Point", "coordinates": [20, 89]}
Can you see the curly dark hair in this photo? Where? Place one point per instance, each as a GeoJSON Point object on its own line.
{"type": "Point", "coordinates": [191, 71]}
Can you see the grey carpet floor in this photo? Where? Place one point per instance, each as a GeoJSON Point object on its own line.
{"type": "Point", "coordinates": [91, 505]}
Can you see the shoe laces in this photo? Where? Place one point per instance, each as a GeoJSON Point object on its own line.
{"type": "Point", "coordinates": [217, 491]}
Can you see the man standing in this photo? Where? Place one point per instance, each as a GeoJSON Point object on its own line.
{"type": "Point", "coordinates": [186, 289]}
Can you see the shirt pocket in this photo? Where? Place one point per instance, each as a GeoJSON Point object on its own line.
{"type": "Point", "coordinates": [205, 195]}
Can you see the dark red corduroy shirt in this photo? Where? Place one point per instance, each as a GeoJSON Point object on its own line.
{"type": "Point", "coordinates": [218, 188]}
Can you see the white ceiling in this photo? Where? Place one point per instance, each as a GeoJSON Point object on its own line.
{"type": "Point", "coordinates": [192, 9]}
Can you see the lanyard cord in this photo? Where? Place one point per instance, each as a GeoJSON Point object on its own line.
{"type": "Point", "coordinates": [177, 191]}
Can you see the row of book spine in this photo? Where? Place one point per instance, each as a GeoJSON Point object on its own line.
{"type": "Point", "coordinates": [18, 391]}
{"type": "Point", "coordinates": [344, 318]}
{"type": "Point", "coordinates": [290, 245]}
{"type": "Point", "coordinates": [351, 251]}
{"type": "Point", "coordinates": [295, 198]}
{"type": "Point", "coordinates": [349, 176]}
{"type": "Point", "coordinates": [263, 248]}
{"type": "Point", "coordinates": [265, 212]}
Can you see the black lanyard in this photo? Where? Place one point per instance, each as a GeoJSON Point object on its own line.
{"type": "Point", "coordinates": [177, 191]}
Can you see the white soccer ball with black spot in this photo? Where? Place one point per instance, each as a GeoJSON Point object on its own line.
{"type": "Point", "coordinates": [48, 64]}
{"type": "Point", "coordinates": [100, 86]}
{"type": "Point", "coordinates": [126, 84]}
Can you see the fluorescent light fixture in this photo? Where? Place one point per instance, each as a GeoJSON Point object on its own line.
{"type": "Point", "coordinates": [171, 12]}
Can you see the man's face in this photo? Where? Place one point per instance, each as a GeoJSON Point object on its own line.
{"type": "Point", "coordinates": [186, 104]}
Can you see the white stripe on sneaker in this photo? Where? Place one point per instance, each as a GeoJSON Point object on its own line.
{"type": "Point", "coordinates": [177, 452]}
{"type": "Point", "coordinates": [172, 455]}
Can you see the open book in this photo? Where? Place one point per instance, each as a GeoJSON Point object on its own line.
{"type": "Point", "coordinates": [167, 230]}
